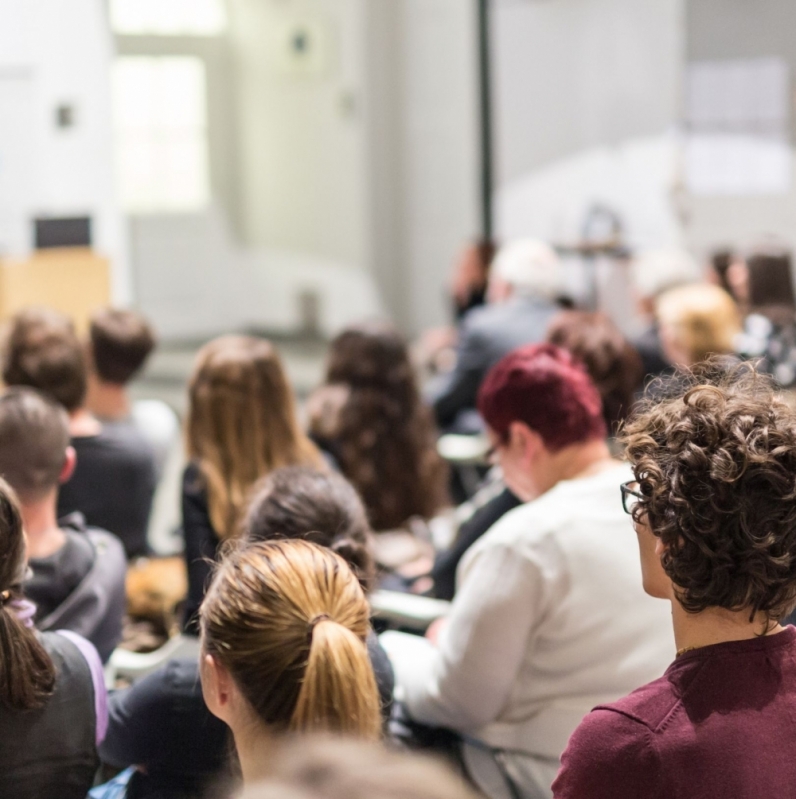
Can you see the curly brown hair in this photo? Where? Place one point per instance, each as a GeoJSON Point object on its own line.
{"type": "Point", "coordinates": [715, 458]}
{"type": "Point", "coordinates": [377, 427]}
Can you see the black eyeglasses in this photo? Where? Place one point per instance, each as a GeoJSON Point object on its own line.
{"type": "Point", "coordinates": [630, 496]}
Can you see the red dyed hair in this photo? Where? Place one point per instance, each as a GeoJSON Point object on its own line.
{"type": "Point", "coordinates": [547, 389]}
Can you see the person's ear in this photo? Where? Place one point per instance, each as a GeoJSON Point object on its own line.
{"type": "Point", "coordinates": [68, 469]}
{"type": "Point", "coordinates": [217, 687]}
{"type": "Point", "coordinates": [525, 442]}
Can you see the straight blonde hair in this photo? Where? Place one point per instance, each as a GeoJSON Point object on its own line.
{"type": "Point", "coordinates": [242, 423]}
{"type": "Point", "coordinates": [289, 621]}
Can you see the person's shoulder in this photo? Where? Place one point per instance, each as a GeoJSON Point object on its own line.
{"type": "Point", "coordinates": [610, 754]}
{"type": "Point", "coordinates": [650, 705]}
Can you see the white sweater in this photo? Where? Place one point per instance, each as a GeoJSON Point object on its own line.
{"type": "Point", "coordinates": [549, 620]}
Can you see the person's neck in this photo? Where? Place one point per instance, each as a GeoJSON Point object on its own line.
{"type": "Point", "coordinates": [716, 626]}
{"type": "Point", "coordinates": [252, 748]}
{"type": "Point", "coordinates": [40, 520]}
{"type": "Point", "coordinates": [582, 460]}
{"type": "Point", "coordinates": [108, 400]}
{"type": "Point", "coordinates": [83, 423]}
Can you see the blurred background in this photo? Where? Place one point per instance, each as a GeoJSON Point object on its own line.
{"type": "Point", "coordinates": [292, 166]}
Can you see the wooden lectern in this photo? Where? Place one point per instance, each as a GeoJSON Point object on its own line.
{"type": "Point", "coordinates": [73, 280]}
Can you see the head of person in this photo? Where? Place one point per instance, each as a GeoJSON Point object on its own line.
{"type": "Point", "coordinates": [720, 262]}
{"type": "Point", "coordinates": [313, 505]}
{"type": "Point", "coordinates": [763, 282]}
{"type": "Point", "coordinates": [27, 673]}
{"type": "Point", "coordinates": [714, 463]}
{"type": "Point", "coordinates": [284, 625]}
{"type": "Point", "coordinates": [242, 423]}
{"type": "Point", "coordinates": [655, 271]}
{"type": "Point", "coordinates": [379, 431]}
{"type": "Point", "coordinates": [321, 767]}
{"type": "Point", "coordinates": [35, 455]}
{"type": "Point", "coordinates": [541, 407]}
{"type": "Point", "coordinates": [525, 268]}
{"type": "Point", "coordinates": [120, 342]}
{"type": "Point", "coordinates": [610, 359]}
{"type": "Point", "coordinates": [695, 322]}
{"type": "Point", "coordinates": [43, 351]}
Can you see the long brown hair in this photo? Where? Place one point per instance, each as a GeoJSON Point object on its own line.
{"type": "Point", "coordinates": [383, 436]}
{"type": "Point", "coordinates": [241, 423]}
{"type": "Point", "coordinates": [289, 620]}
{"type": "Point", "coordinates": [27, 673]}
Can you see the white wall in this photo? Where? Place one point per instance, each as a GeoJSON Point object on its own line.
{"type": "Point", "coordinates": [587, 98]}
{"type": "Point", "coordinates": [54, 52]}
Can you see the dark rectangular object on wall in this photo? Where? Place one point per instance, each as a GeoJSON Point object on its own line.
{"type": "Point", "coordinates": [63, 232]}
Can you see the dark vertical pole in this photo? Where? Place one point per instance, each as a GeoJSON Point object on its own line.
{"type": "Point", "coordinates": [485, 81]}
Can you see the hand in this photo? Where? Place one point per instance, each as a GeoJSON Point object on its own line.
{"type": "Point", "coordinates": [435, 629]}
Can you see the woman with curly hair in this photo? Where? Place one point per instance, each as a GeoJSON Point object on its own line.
{"type": "Point", "coordinates": [714, 506]}
{"type": "Point", "coordinates": [370, 418]}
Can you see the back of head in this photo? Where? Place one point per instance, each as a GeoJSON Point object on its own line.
{"type": "Point", "coordinates": [321, 507]}
{"type": "Point", "coordinates": [714, 453]}
{"type": "Point", "coordinates": [547, 389]}
{"type": "Point", "coordinates": [655, 271]}
{"type": "Point", "coordinates": [698, 320]}
{"type": "Point", "coordinates": [327, 768]}
{"type": "Point", "coordinates": [27, 674]}
{"type": "Point", "coordinates": [372, 355]}
{"type": "Point", "coordinates": [383, 436]}
{"type": "Point", "coordinates": [770, 281]}
{"type": "Point", "coordinates": [289, 620]}
{"type": "Point", "coordinates": [530, 267]}
{"type": "Point", "coordinates": [241, 422]}
{"type": "Point", "coordinates": [34, 436]}
{"type": "Point", "coordinates": [43, 351]}
{"type": "Point", "coordinates": [121, 341]}
{"type": "Point", "coordinates": [612, 362]}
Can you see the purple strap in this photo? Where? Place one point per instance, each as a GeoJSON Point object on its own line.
{"type": "Point", "coordinates": [97, 678]}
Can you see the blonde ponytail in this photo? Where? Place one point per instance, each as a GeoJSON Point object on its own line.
{"type": "Point", "coordinates": [338, 692]}
{"type": "Point", "coordinates": [290, 620]}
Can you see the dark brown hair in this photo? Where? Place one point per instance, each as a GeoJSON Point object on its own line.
{"type": "Point", "coordinates": [27, 673]}
{"type": "Point", "coordinates": [289, 620]}
{"type": "Point", "coordinates": [321, 507]}
{"type": "Point", "coordinates": [715, 458]}
{"type": "Point", "coordinates": [34, 436]}
{"type": "Point", "coordinates": [241, 423]}
{"type": "Point", "coordinates": [327, 768]}
{"type": "Point", "coordinates": [382, 435]}
{"type": "Point", "coordinates": [43, 351]}
{"type": "Point", "coordinates": [610, 359]}
{"type": "Point", "coordinates": [121, 341]}
{"type": "Point", "coordinates": [771, 284]}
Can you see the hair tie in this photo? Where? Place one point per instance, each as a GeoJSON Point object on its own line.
{"type": "Point", "coordinates": [314, 622]}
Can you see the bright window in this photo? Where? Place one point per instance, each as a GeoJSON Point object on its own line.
{"type": "Point", "coordinates": [160, 121]}
{"type": "Point", "coordinates": [168, 17]}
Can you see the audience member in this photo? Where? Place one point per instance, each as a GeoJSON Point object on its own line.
{"type": "Point", "coordinates": [616, 370]}
{"type": "Point", "coordinates": [523, 286]}
{"type": "Point", "coordinates": [323, 508]}
{"type": "Point", "coordinates": [114, 479]}
{"type": "Point", "coordinates": [370, 418]}
{"type": "Point", "coordinates": [77, 573]}
{"type": "Point", "coordinates": [334, 768]}
{"type": "Point", "coordinates": [696, 322]}
{"type": "Point", "coordinates": [52, 695]}
{"type": "Point", "coordinates": [652, 273]}
{"type": "Point", "coordinates": [764, 282]}
{"type": "Point", "coordinates": [283, 648]}
{"type": "Point", "coordinates": [612, 362]}
{"type": "Point", "coordinates": [471, 276]}
{"type": "Point", "coordinates": [548, 616]}
{"type": "Point", "coordinates": [161, 724]}
{"type": "Point", "coordinates": [120, 341]}
{"type": "Point", "coordinates": [712, 504]}
{"type": "Point", "coordinates": [241, 425]}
